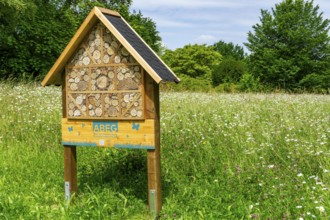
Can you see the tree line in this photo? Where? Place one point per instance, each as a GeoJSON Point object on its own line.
{"type": "Point", "coordinates": [33, 33]}
{"type": "Point", "coordinates": [289, 49]}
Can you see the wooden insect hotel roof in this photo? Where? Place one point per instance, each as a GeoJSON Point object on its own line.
{"type": "Point", "coordinates": [126, 36]}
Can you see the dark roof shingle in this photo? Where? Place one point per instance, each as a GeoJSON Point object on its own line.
{"type": "Point", "coordinates": [145, 52]}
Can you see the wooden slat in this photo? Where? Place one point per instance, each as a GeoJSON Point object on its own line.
{"type": "Point", "coordinates": [108, 11]}
{"type": "Point", "coordinates": [102, 65]}
{"type": "Point", "coordinates": [64, 92]}
{"type": "Point", "coordinates": [70, 156]}
{"type": "Point", "coordinates": [70, 168]}
{"type": "Point", "coordinates": [154, 168]}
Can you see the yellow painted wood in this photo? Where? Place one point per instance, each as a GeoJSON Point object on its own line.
{"type": "Point", "coordinates": [108, 11]}
{"type": "Point", "coordinates": [126, 134]}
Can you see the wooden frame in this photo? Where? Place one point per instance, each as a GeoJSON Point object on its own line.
{"type": "Point", "coordinates": [107, 64]}
{"type": "Point", "coordinates": [121, 96]}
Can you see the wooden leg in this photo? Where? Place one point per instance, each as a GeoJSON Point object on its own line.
{"type": "Point", "coordinates": [70, 171]}
{"type": "Point", "coordinates": [154, 183]}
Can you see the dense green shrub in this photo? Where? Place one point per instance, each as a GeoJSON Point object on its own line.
{"type": "Point", "coordinates": [188, 84]}
{"type": "Point", "coordinates": [248, 83]}
{"type": "Point", "coordinates": [228, 71]}
{"type": "Point", "coordinates": [316, 83]}
{"type": "Point", "coordinates": [226, 87]}
{"type": "Point", "coordinates": [193, 60]}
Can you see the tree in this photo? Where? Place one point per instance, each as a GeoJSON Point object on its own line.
{"type": "Point", "coordinates": [290, 43]}
{"type": "Point", "coordinates": [146, 28]}
{"type": "Point", "coordinates": [33, 38]}
{"type": "Point", "coordinates": [195, 60]}
{"type": "Point", "coordinates": [33, 33]}
{"type": "Point", "coordinates": [228, 50]}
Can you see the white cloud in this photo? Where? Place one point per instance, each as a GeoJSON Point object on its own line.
{"type": "Point", "coordinates": [181, 22]}
{"type": "Point", "coordinates": [206, 39]}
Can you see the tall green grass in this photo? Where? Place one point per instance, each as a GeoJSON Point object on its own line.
{"type": "Point", "coordinates": [236, 156]}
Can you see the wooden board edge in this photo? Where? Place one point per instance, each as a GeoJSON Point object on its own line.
{"type": "Point", "coordinates": [108, 11]}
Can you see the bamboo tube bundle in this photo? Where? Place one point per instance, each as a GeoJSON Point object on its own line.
{"type": "Point", "coordinates": [77, 105]}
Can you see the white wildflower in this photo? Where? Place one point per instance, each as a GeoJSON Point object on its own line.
{"type": "Point", "coordinates": [320, 208]}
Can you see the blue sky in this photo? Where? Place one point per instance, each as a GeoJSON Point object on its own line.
{"type": "Point", "coordinates": [182, 22]}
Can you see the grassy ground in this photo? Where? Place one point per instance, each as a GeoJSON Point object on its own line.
{"type": "Point", "coordinates": [237, 156]}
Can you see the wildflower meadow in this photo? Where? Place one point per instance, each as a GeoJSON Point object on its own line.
{"type": "Point", "coordinates": [223, 156]}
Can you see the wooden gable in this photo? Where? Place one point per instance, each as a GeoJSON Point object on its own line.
{"type": "Point", "coordinates": [125, 35]}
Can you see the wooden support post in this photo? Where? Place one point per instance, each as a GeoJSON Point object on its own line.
{"type": "Point", "coordinates": [154, 174]}
{"type": "Point", "coordinates": [70, 155]}
{"type": "Point", "coordinates": [70, 171]}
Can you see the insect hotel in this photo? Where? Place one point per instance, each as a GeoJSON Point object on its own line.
{"type": "Point", "coordinates": [110, 95]}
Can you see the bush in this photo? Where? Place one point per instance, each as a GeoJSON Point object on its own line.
{"type": "Point", "coordinates": [316, 83]}
{"type": "Point", "coordinates": [249, 84]}
{"type": "Point", "coordinates": [226, 87]}
{"type": "Point", "coordinates": [228, 71]}
{"type": "Point", "coordinates": [188, 84]}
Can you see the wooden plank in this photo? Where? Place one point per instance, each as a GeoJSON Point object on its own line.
{"type": "Point", "coordinates": [70, 170]}
{"type": "Point", "coordinates": [64, 90]}
{"type": "Point", "coordinates": [154, 166]}
{"type": "Point", "coordinates": [53, 76]}
{"type": "Point", "coordinates": [150, 111]}
{"type": "Point", "coordinates": [125, 43]}
{"type": "Point", "coordinates": [108, 11]}
{"type": "Point", "coordinates": [104, 92]}
{"type": "Point", "coordinates": [102, 65]}
{"type": "Point", "coordinates": [70, 156]}
{"type": "Point", "coordinates": [139, 134]}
